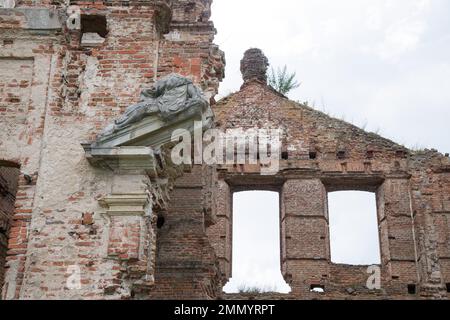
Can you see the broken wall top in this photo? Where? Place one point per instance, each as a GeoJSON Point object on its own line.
{"type": "Point", "coordinates": [305, 129]}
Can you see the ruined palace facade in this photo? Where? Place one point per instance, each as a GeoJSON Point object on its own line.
{"type": "Point", "coordinates": [85, 216]}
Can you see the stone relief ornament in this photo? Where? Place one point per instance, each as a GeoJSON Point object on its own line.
{"type": "Point", "coordinates": [167, 98]}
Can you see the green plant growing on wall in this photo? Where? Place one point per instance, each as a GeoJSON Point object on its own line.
{"type": "Point", "coordinates": [282, 81]}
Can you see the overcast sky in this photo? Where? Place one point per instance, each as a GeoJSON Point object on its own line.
{"type": "Point", "coordinates": [382, 64]}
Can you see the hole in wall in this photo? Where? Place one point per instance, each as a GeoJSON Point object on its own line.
{"type": "Point", "coordinates": [160, 222]}
{"type": "Point", "coordinates": [411, 288]}
{"type": "Point", "coordinates": [284, 155]}
{"type": "Point", "coordinates": [313, 155]}
{"type": "Point", "coordinates": [93, 30]}
{"type": "Point", "coordinates": [159, 160]}
{"type": "Point", "coordinates": [28, 178]}
{"type": "Point", "coordinates": [341, 154]}
{"type": "Point", "coordinates": [354, 237]}
{"type": "Point", "coordinates": [317, 288]}
{"type": "Point", "coordinates": [447, 285]}
{"type": "Point", "coordinates": [94, 23]}
{"type": "Point", "coordinates": [8, 164]}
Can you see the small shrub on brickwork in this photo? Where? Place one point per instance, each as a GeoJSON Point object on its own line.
{"type": "Point", "coordinates": [282, 80]}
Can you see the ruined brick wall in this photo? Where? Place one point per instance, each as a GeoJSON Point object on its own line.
{"type": "Point", "coordinates": [186, 266]}
{"type": "Point", "coordinates": [58, 93]}
{"type": "Point", "coordinates": [321, 154]}
{"type": "Point", "coordinates": [430, 191]}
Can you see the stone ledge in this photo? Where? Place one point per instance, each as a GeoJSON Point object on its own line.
{"type": "Point", "coordinates": [122, 158]}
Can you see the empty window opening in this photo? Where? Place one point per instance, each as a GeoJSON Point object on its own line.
{"type": "Point", "coordinates": [256, 244]}
{"type": "Point", "coordinates": [447, 285]}
{"type": "Point", "coordinates": [411, 288]}
{"type": "Point", "coordinates": [317, 288]}
{"type": "Point", "coordinates": [354, 237]}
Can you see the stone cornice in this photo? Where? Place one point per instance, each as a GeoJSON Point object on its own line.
{"type": "Point", "coordinates": [122, 158]}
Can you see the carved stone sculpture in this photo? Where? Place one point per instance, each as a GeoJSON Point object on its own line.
{"type": "Point", "coordinates": [167, 98]}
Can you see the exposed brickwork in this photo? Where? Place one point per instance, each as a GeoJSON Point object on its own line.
{"type": "Point", "coordinates": [140, 236]}
{"type": "Point", "coordinates": [323, 154]}
{"type": "Point", "coordinates": [57, 94]}
{"type": "Point", "coordinates": [254, 66]}
{"type": "Point", "coordinates": [186, 267]}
